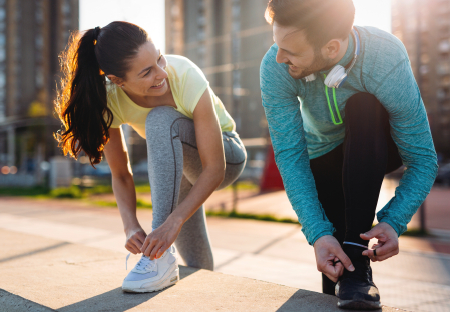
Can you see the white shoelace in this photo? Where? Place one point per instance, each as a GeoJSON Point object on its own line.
{"type": "Point", "coordinates": [144, 264]}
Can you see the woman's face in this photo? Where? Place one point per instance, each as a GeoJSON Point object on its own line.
{"type": "Point", "coordinates": [147, 75]}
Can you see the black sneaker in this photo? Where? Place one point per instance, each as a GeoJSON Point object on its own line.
{"type": "Point", "coordinates": [356, 290]}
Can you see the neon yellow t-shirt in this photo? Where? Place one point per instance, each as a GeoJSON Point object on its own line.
{"type": "Point", "coordinates": [187, 83]}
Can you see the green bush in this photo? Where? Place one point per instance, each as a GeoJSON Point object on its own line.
{"type": "Point", "coordinates": [143, 204]}
{"type": "Point", "coordinates": [66, 192]}
{"type": "Point", "coordinates": [238, 215]}
{"type": "Point", "coordinates": [143, 188]}
{"type": "Point", "coordinates": [98, 189]}
{"type": "Point", "coordinates": [24, 191]}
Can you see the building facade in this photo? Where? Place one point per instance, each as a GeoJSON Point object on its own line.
{"type": "Point", "coordinates": [227, 39]}
{"type": "Point", "coordinates": [32, 34]}
{"type": "Point", "coordinates": [424, 28]}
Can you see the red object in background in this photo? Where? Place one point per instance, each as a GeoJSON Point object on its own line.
{"type": "Point", "coordinates": [271, 178]}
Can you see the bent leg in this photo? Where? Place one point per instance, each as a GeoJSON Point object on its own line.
{"type": "Point", "coordinates": [165, 159]}
{"type": "Point", "coordinates": [174, 166]}
{"type": "Point", "coordinates": [368, 148]}
{"type": "Point", "coordinates": [193, 240]}
{"type": "Point", "coordinates": [327, 172]}
{"type": "Point", "coordinates": [171, 150]}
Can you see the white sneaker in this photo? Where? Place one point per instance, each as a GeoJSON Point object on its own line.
{"type": "Point", "coordinates": [153, 275]}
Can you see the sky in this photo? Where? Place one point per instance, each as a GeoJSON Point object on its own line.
{"type": "Point", "coordinates": [373, 13]}
{"type": "Point", "coordinates": [149, 14]}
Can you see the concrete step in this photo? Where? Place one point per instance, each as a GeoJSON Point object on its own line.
{"type": "Point", "coordinates": [44, 274]}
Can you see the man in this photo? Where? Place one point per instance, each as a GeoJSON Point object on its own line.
{"type": "Point", "coordinates": [335, 137]}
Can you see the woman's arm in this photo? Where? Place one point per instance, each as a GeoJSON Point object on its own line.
{"type": "Point", "coordinates": [208, 135]}
{"type": "Point", "coordinates": [123, 186]}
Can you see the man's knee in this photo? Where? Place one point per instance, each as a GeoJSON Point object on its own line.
{"type": "Point", "coordinates": [364, 109]}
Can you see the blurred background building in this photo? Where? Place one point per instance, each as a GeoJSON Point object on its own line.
{"type": "Point", "coordinates": [32, 34]}
{"type": "Point", "coordinates": [227, 39]}
{"type": "Point", "coordinates": [424, 28]}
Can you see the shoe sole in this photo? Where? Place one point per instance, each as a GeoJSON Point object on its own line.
{"type": "Point", "coordinates": [172, 279]}
{"type": "Point", "coordinates": [359, 304]}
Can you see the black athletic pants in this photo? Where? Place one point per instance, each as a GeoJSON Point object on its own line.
{"type": "Point", "coordinates": [348, 179]}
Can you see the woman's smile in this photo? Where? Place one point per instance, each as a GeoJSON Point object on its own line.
{"type": "Point", "coordinates": [159, 85]}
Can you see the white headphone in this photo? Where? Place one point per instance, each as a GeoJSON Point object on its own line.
{"type": "Point", "coordinates": [339, 74]}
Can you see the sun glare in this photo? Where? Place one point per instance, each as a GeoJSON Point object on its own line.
{"type": "Point", "coordinates": [144, 13]}
{"type": "Point", "coordinates": [373, 13]}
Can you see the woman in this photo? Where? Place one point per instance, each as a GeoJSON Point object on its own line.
{"type": "Point", "coordinates": [192, 146]}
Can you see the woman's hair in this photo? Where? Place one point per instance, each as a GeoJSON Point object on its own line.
{"type": "Point", "coordinates": [81, 101]}
{"type": "Point", "coordinates": [322, 20]}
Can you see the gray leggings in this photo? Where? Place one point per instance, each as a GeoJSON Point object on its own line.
{"type": "Point", "coordinates": [173, 167]}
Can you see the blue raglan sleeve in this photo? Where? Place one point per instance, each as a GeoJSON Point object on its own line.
{"type": "Point", "coordinates": [400, 95]}
{"type": "Point", "coordinates": [282, 108]}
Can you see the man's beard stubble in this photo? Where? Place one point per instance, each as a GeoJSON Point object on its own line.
{"type": "Point", "coordinates": [319, 63]}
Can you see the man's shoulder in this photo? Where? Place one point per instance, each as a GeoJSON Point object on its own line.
{"type": "Point", "coordinates": [382, 51]}
{"type": "Point", "coordinates": [274, 74]}
{"type": "Point", "coordinates": [269, 61]}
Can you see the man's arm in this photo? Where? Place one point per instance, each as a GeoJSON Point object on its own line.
{"type": "Point", "coordinates": [282, 108]}
{"type": "Point", "coordinates": [400, 95]}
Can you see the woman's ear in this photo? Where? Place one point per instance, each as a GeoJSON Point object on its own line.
{"type": "Point", "coordinates": [116, 80]}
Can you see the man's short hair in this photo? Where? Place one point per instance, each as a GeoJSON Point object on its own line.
{"type": "Point", "coordinates": [322, 20]}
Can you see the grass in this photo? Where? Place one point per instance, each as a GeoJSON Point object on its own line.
{"type": "Point", "coordinates": [416, 233]}
{"type": "Point", "coordinates": [143, 188]}
{"type": "Point", "coordinates": [139, 204]}
{"type": "Point", "coordinates": [76, 192]}
{"type": "Point", "coordinates": [413, 232]}
{"type": "Point", "coordinates": [24, 191]}
{"type": "Point", "coordinates": [66, 192]}
{"type": "Point", "coordinates": [244, 186]}
{"type": "Point", "coordinates": [62, 192]}
{"type": "Point", "coordinates": [251, 216]}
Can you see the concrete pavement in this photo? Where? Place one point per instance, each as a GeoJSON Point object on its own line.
{"type": "Point", "coordinates": [43, 274]}
{"type": "Point", "coordinates": [63, 254]}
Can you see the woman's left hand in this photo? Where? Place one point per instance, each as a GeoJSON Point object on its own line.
{"type": "Point", "coordinates": [159, 240]}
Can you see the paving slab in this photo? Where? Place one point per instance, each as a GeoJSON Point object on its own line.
{"type": "Point", "coordinates": [43, 274]}
{"type": "Point", "coordinates": [417, 279]}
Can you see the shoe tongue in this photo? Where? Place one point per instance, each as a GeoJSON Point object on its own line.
{"type": "Point", "coordinates": [143, 262]}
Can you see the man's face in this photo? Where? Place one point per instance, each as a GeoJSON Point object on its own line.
{"type": "Point", "coordinates": [295, 50]}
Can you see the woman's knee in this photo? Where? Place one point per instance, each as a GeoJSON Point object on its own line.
{"type": "Point", "coordinates": [161, 115]}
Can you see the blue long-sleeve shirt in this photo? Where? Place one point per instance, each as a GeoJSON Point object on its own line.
{"type": "Point", "coordinates": [302, 128]}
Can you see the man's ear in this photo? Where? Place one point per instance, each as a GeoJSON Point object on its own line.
{"type": "Point", "coordinates": [332, 48]}
{"type": "Point", "coordinates": [114, 79]}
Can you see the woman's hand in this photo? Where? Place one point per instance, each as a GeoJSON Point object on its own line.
{"type": "Point", "coordinates": [158, 241]}
{"type": "Point", "coordinates": [135, 239]}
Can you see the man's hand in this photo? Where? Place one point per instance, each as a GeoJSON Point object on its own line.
{"type": "Point", "coordinates": [328, 251]}
{"type": "Point", "coordinates": [387, 245]}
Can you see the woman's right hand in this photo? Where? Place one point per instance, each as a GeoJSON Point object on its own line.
{"type": "Point", "coordinates": [135, 239]}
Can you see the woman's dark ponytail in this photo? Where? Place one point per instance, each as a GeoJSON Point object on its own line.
{"type": "Point", "coordinates": [81, 101]}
